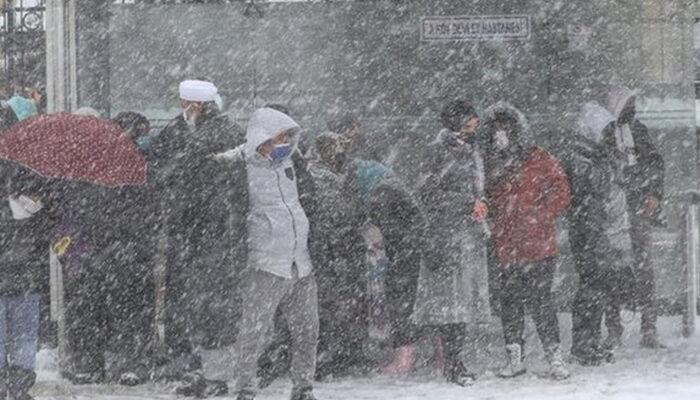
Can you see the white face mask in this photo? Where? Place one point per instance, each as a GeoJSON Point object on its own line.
{"type": "Point", "coordinates": [501, 140]}
{"type": "Point", "coordinates": [191, 122]}
{"type": "Point", "coordinates": [23, 207]}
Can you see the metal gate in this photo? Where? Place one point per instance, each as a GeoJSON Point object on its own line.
{"type": "Point", "coordinates": [23, 46]}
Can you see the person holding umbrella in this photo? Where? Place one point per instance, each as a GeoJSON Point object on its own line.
{"type": "Point", "coordinates": [101, 177]}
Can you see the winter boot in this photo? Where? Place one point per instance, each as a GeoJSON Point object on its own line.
{"type": "Point", "coordinates": [557, 366]}
{"type": "Point", "coordinates": [4, 373]}
{"type": "Point", "coordinates": [592, 356]}
{"type": "Point", "coordinates": [515, 366]}
{"type": "Point", "coordinates": [196, 385]}
{"type": "Point", "coordinates": [215, 388]}
{"type": "Point", "coordinates": [19, 382]}
{"type": "Point", "coordinates": [87, 378]}
{"type": "Point", "coordinates": [192, 385]}
{"type": "Point", "coordinates": [651, 341]}
{"type": "Point", "coordinates": [612, 341]}
{"type": "Point", "coordinates": [245, 395]}
{"type": "Point", "coordinates": [458, 374]}
{"type": "Point", "coordinates": [305, 393]}
{"type": "Point", "coordinates": [437, 360]}
{"type": "Point", "coordinates": [404, 360]}
{"type": "Point", "coordinates": [272, 369]}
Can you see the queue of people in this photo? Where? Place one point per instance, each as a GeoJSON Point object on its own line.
{"type": "Point", "coordinates": [264, 248]}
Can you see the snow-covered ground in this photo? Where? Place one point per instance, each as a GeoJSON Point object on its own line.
{"type": "Point", "coordinates": [638, 374]}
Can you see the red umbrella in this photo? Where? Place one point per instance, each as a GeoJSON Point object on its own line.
{"type": "Point", "coordinates": [75, 147]}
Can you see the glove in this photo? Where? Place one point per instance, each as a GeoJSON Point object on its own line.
{"type": "Point", "coordinates": [62, 246]}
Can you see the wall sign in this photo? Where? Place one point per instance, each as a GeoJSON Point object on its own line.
{"type": "Point", "coordinates": [476, 28]}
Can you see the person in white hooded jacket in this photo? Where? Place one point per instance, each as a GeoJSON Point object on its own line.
{"type": "Point", "coordinates": [279, 270]}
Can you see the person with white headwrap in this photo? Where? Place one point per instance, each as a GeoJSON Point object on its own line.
{"type": "Point", "coordinates": [195, 208]}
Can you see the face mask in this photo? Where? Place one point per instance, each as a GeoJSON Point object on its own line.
{"type": "Point", "coordinates": [23, 207]}
{"type": "Point", "coordinates": [281, 151]}
{"type": "Point", "coordinates": [501, 140]}
{"type": "Point", "coordinates": [190, 121]}
{"type": "Point", "coordinates": [143, 142]}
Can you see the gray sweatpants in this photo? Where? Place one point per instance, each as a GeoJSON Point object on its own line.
{"type": "Point", "coordinates": [261, 294]}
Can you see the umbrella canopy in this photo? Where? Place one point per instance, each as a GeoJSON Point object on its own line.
{"type": "Point", "coordinates": [75, 147]}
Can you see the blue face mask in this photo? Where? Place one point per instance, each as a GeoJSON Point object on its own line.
{"type": "Point", "coordinates": [281, 151]}
{"type": "Point", "coordinates": [143, 143]}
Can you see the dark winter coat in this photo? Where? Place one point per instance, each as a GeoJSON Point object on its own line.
{"type": "Point", "coordinates": [387, 203]}
{"type": "Point", "coordinates": [98, 218]}
{"type": "Point", "coordinates": [338, 254]}
{"type": "Point", "coordinates": [195, 191]}
{"type": "Point", "coordinates": [646, 178]}
{"type": "Point", "coordinates": [454, 286]}
{"type": "Point", "coordinates": [24, 258]}
{"type": "Point", "coordinates": [598, 218]}
{"type": "Point", "coordinates": [337, 222]}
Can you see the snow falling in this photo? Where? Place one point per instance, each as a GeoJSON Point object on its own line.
{"type": "Point", "coordinates": [345, 199]}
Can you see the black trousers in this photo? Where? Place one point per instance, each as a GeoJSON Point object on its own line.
{"type": "Point", "coordinates": [599, 293]}
{"type": "Point", "coordinates": [110, 305]}
{"type": "Point", "coordinates": [642, 275]}
{"type": "Point", "coordinates": [529, 286]}
{"type": "Point", "coordinates": [179, 299]}
{"type": "Point", "coordinates": [201, 300]}
{"type": "Point", "coordinates": [642, 280]}
{"type": "Point", "coordinates": [343, 312]}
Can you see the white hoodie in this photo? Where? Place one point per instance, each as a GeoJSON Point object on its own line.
{"type": "Point", "coordinates": [278, 229]}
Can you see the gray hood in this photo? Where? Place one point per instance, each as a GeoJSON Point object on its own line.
{"type": "Point", "coordinates": [592, 121]}
{"type": "Point", "coordinates": [266, 123]}
{"type": "Point", "coordinates": [618, 97]}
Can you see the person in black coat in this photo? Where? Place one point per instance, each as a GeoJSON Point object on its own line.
{"type": "Point", "coordinates": [197, 196]}
{"type": "Point", "coordinates": [643, 181]}
{"type": "Point", "coordinates": [26, 219]}
{"type": "Point", "coordinates": [599, 234]}
{"type": "Point", "coordinates": [104, 240]}
{"type": "Point", "coordinates": [388, 205]}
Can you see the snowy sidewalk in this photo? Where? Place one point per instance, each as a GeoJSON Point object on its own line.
{"type": "Point", "coordinates": [638, 374]}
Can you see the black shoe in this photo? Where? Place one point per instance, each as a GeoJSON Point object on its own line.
{"type": "Point", "coordinates": [245, 395]}
{"type": "Point", "coordinates": [4, 373]}
{"type": "Point", "coordinates": [196, 385]}
{"type": "Point", "coordinates": [19, 383]}
{"type": "Point", "coordinates": [651, 341]}
{"type": "Point", "coordinates": [215, 388]}
{"type": "Point", "coordinates": [586, 360]}
{"type": "Point", "coordinates": [305, 393]}
{"type": "Point", "coordinates": [460, 375]}
{"type": "Point", "coordinates": [87, 378]}
{"type": "Point", "coordinates": [269, 372]}
{"type": "Point", "coordinates": [192, 385]}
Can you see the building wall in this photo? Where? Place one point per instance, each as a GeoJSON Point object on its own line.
{"type": "Point", "coordinates": [368, 57]}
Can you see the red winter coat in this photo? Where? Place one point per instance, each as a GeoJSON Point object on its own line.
{"type": "Point", "coordinates": [525, 205]}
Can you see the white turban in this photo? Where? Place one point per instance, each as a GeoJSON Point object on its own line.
{"type": "Point", "coordinates": [199, 91]}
